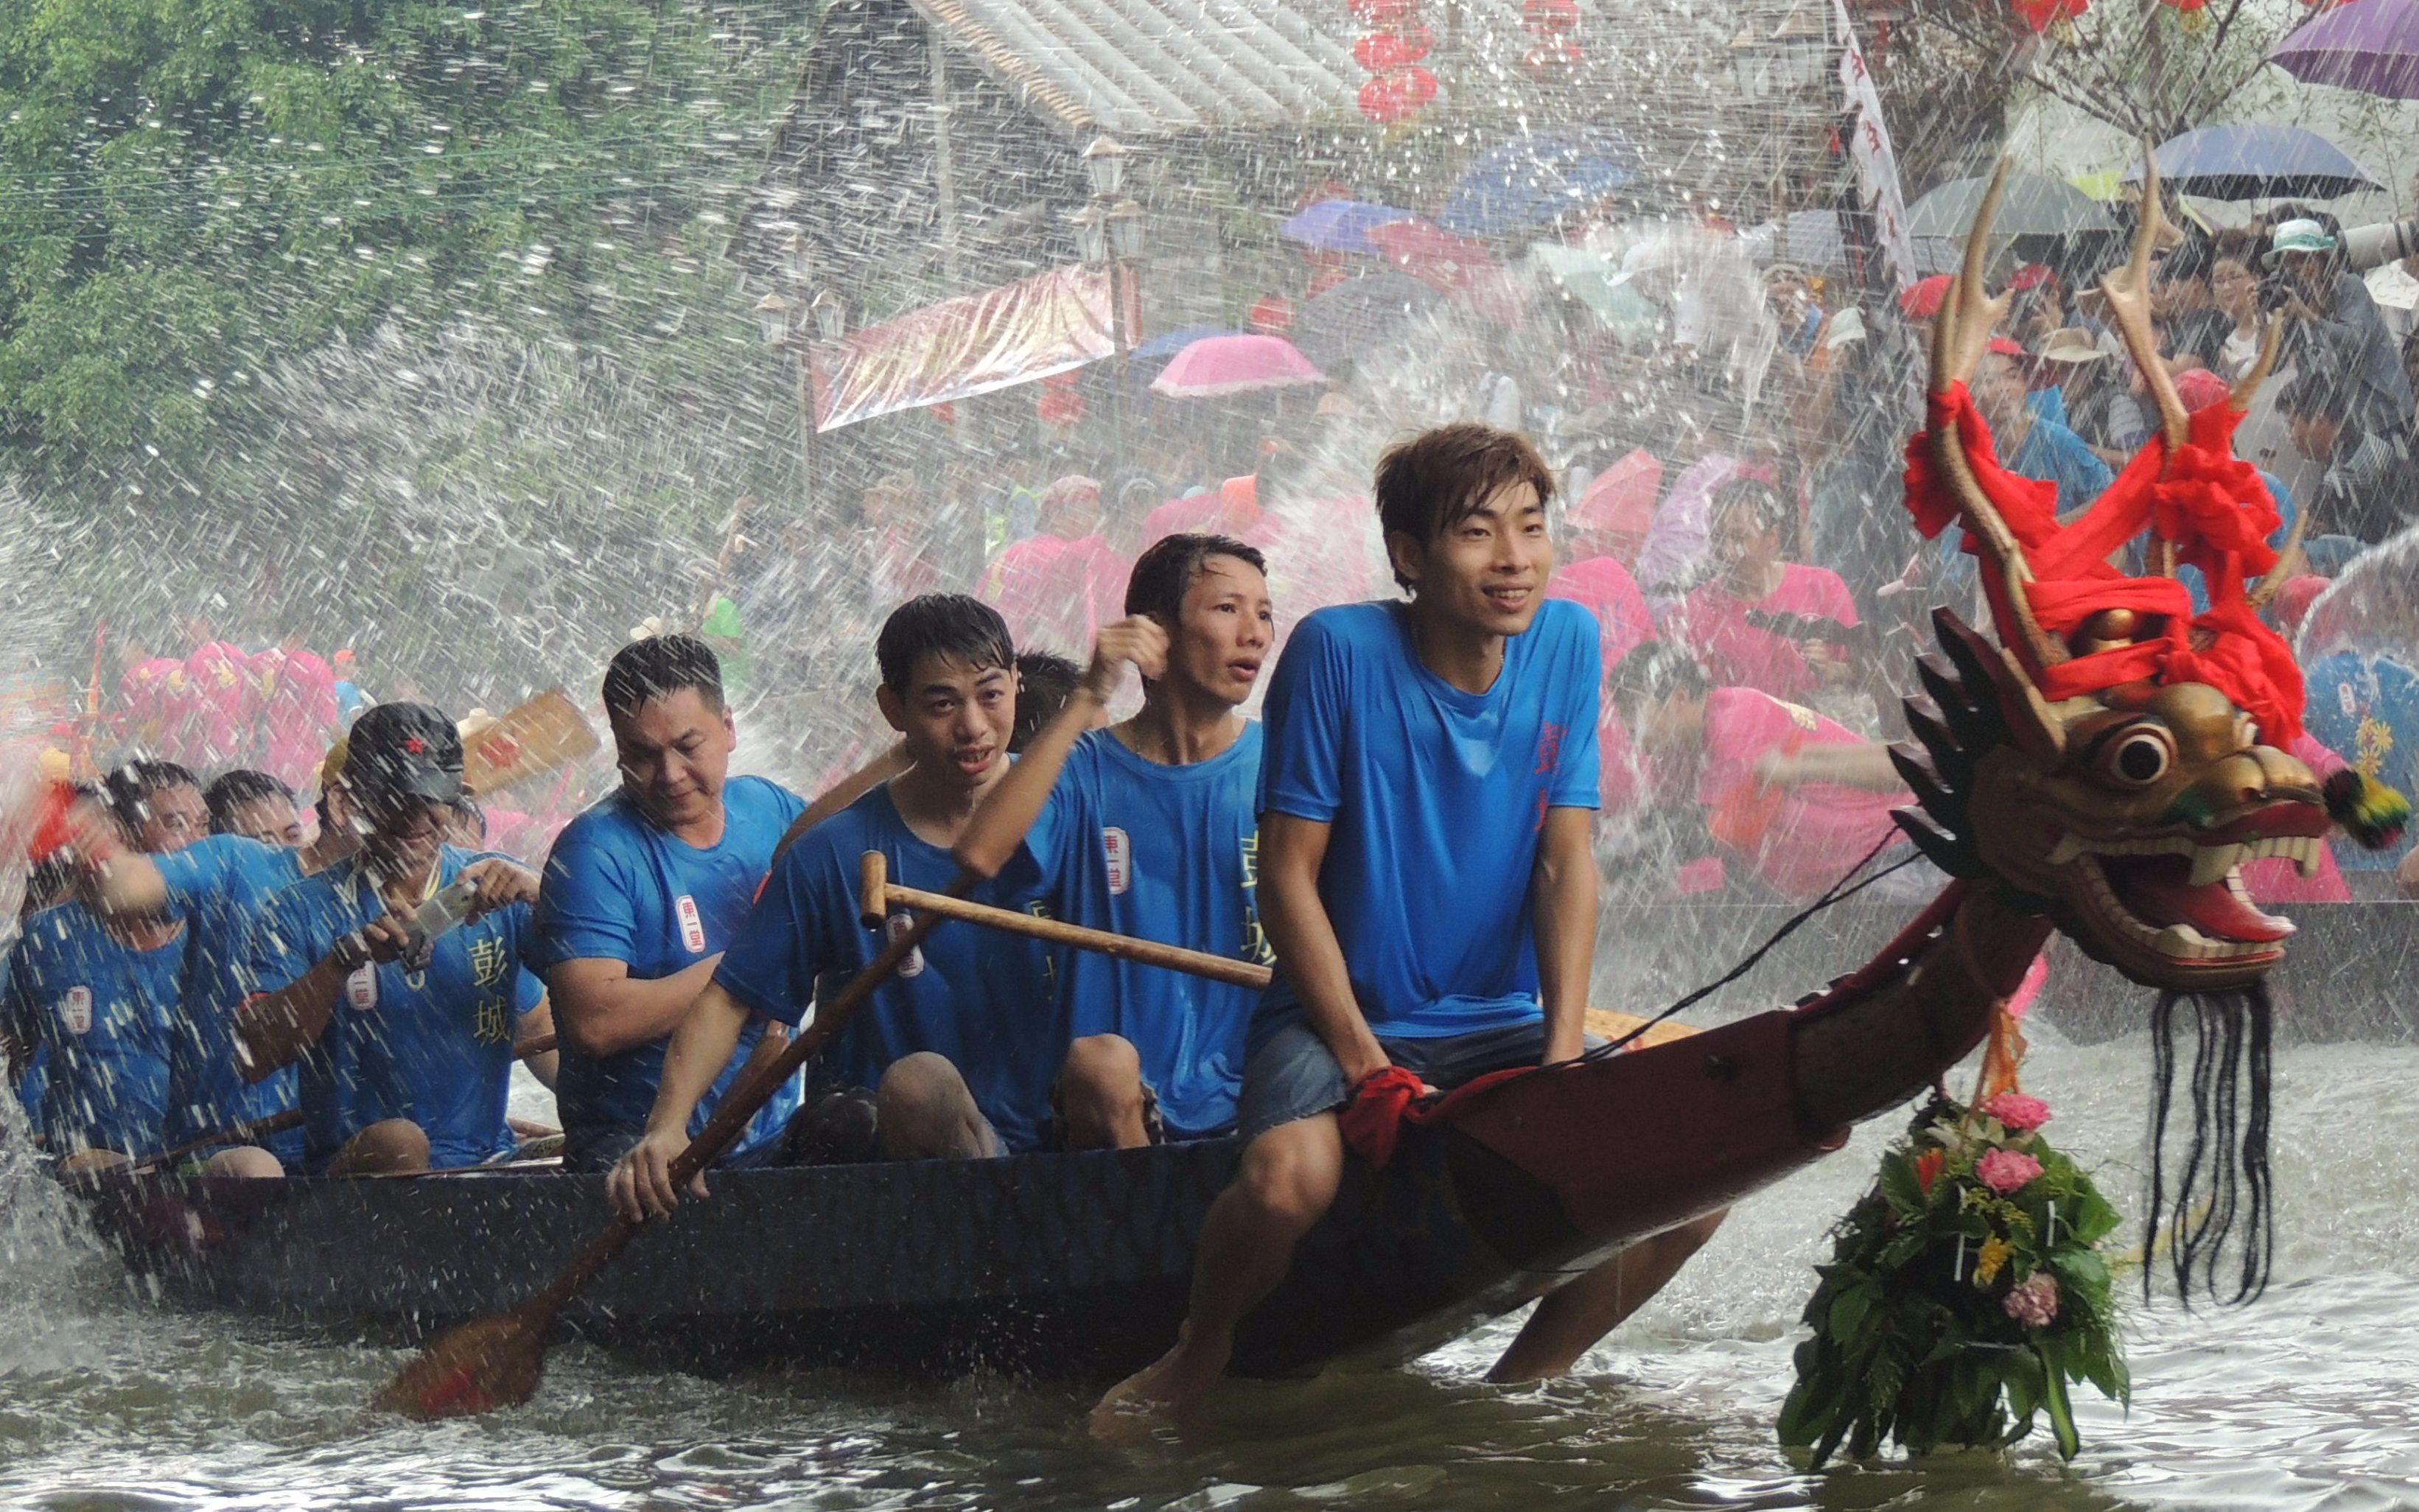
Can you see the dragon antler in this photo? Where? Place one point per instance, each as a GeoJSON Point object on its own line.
{"type": "Point", "coordinates": [1959, 338]}
{"type": "Point", "coordinates": [2127, 289]}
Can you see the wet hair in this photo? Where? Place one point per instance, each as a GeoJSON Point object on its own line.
{"type": "Point", "coordinates": [1045, 681]}
{"type": "Point", "coordinates": [658, 665]}
{"type": "Point", "coordinates": [1167, 571]}
{"type": "Point", "coordinates": [941, 625]}
{"type": "Point", "coordinates": [128, 788]}
{"type": "Point", "coordinates": [474, 818]}
{"type": "Point", "coordinates": [2191, 259]}
{"type": "Point", "coordinates": [1652, 671]}
{"type": "Point", "coordinates": [2317, 394]}
{"type": "Point", "coordinates": [231, 791]}
{"type": "Point", "coordinates": [1772, 512]}
{"type": "Point", "coordinates": [1430, 483]}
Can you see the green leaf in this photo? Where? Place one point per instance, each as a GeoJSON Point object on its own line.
{"type": "Point", "coordinates": [2061, 1411]}
{"type": "Point", "coordinates": [1848, 1311]}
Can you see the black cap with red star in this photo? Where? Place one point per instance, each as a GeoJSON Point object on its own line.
{"type": "Point", "coordinates": [397, 752]}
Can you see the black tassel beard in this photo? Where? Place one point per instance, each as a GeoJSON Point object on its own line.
{"type": "Point", "coordinates": [2224, 1168]}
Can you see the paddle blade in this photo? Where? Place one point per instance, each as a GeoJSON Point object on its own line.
{"type": "Point", "coordinates": [473, 1367]}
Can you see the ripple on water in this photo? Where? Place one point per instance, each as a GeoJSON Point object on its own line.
{"type": "Point", "coordinates": [2308, 1400]}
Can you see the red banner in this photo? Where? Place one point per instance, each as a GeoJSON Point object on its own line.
{"type": "Point", "coordinates": [959, 347]}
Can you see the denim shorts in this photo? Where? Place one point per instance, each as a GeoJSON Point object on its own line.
{"type": "Point", "coordinates": [1293, 1074]}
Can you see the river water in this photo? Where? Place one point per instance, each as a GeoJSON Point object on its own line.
{"type": "Point", "coordinates": [2310, 1398]}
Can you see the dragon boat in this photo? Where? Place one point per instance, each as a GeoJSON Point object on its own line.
{"type": "Point", "coordinates": [2101, 770]}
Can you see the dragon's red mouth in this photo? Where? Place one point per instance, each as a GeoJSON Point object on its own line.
{"type": "Point", "coordinates": [2181, 898]}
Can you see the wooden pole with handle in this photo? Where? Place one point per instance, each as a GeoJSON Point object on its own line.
{"type": "Point", "coordinates": [1057, 932]}
{"type": "Point", "coordinates": [497, 1360]}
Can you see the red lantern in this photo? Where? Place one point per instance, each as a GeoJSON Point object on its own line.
{"type": "Point", "coordinates": [1549, 60]}
{"type": "Point", "coordinates": [2184, 5]}
{"type": "Point", "coordinates": [1385, 52]}
{"type": "Point", "coordinates": [1059, 406]}
{"type": "Point", "coordinates": [1383, 13]}
{"type": "Point", "coordinates": [2040, 15]}
{"type": "Point", "coordinates": [1382, 103]}
{"type": "Point", "coordinates": [1270, 315]}
{"type": "Point", "coordinates": [1418, 85]}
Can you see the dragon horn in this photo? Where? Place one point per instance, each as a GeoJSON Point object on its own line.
{"type": "Point", "coordinates": [2127, 293]}
{"type": "Point", "coordinates": [1959, 338]}
{"type": "Point", "coordinates": [2268, 586]}
{"type": "Point", "coordinates": [2247, 387]}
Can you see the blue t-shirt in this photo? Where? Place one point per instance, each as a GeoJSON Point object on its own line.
{"type": "Point", "coordinates": [103, 1012]}
{"type": "Point", "coordinates": [1168, 854]}
{"type": "Point", "coordinates": [1437, 797]}
{"type": "Point", "coordinates": [434, 1046]}
{"type": "Point", "coordinates": [621, 887]}
{"type": "Point", "coordinates": [2365, 709]}
{"type": "Point", "coordinates": [981, 997]}
{"type": "Point", "coordinates": [218, 884]}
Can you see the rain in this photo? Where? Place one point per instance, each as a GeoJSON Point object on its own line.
{"type": "Point", "coordinates": [382, 354]}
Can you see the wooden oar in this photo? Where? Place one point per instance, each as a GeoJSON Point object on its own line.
{"type": "Point", "coordinates": [495, 1361]}
{"type": "Point", "coordinates": [877, 894]}
{"type": "Point", "coordinates": [246, 1133]}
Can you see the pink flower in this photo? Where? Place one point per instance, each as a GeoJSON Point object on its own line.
{"type": "Point", "coordinates": [2033, 1300]}
{"type": "Point", "coordinates": [2018, 1112]}
{"type": "Point", "coordinates": [2007, 1170]}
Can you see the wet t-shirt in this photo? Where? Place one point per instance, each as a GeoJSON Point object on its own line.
{"type": "Point", "coordinates": [433, 1045]}
{"type": "Point", "coordinates": [981, 997]}
{"type": "Point", "coordinates": [103, 1013]}
{"type": "Point", "coordinates": [219, 885]}
{"type": "Point", "coordinates": [1168, 854]}
{"type": "Point", "coordinates": [1437, 797]}
{"type": "Point", "coordinates": [618, 886]}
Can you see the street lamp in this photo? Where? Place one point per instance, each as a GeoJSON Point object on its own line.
{"type": "Point", "coordinates": [831, 314]}
{"type": "Point", "coordinates": [1125, 224]}
{"type": "Point", "coordinates": [1105, 166]}
{"type": "Point", "coordinates": [773, 321]}
{"type": "Point", "coordinates": [1109, 234]}
{"type": "Point", "coordinates": [1091, 227]}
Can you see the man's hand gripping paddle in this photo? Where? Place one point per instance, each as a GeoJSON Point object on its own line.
{"type": "Point", "coordinates": [495, 1361]}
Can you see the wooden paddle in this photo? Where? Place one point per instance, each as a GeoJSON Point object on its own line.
{"type": "Point", "coordinates": [246, 1133]}
{"type": "Point", "coordinates": [496, 1360]}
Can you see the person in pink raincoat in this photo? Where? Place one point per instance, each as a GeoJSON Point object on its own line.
{"type": "Point", "coordinates": [213, 722]}
{"type": "Point", "coordinates": [1055, 589]}
{"type": "Point", "coordinates": [298, 710]}
{"type": "Point", "coordinates": [144, 692]}
{"type": "Point", "coordinates": [1763, 622]}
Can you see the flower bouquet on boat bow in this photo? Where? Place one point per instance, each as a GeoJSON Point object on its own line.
{"type": "Point", "coordinates": [1965, 1293]}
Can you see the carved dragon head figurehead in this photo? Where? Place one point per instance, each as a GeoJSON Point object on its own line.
{"type": "Point", "coordinates": [2118, 757]}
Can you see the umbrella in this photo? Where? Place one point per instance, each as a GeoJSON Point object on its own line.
{"type": "Point", "coordinates": [1160, 348]}
{"type": "Point", "coordinates": [1594, 280]}
{"type": "Point", "coordinates": [2034, 207]}
{"type": "Point", "coordinates": [1339, 225]}
{"type": "Point", "coordinates": [1532, 180]}
{"type": "Point", "coordinates": [1216, 367]}
{"type": "Point", "coordinates": [2256, 162]}
{"type": "Point", "coordinates": [2369, 45]}
{"type": "Point", "coordinates": [1360, 314]}
{"type": "Point", "coordinates": [1450, 264]}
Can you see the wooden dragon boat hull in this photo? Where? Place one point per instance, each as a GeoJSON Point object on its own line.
{"type": "Point", "coordinates": [1046, 1264]}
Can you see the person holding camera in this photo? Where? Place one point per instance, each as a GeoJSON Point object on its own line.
{"type": "Point", "coordinates": [2334, 329]}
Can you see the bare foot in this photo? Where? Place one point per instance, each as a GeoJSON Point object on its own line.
{"type": "Point", "coordinates": [1159, 1392]}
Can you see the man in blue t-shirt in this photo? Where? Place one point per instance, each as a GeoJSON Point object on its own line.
{"type": "Point", "coordinates": [642, 895]}
{"type": "Point", "coordinates": [961, 1044]}
{"type": "Point", "coordinates": [216, 886]}
{"type": "Point", "coordinates": [96, 988]}
{"type": "Point", "coordinates": [1148, 828]}
{"type": "Point", "coordinates": [405, 1044]}
{"type": "Point", "coordinates": [1426, 800]}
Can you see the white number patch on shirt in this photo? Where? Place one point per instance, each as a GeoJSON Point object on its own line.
{"type": "Point", "coordinates": [75, 1010]}
{"type": "Point", "coordinates": [2345, 701]}
{"type": "Point", "coordinates": [896, 925]}
{"type": "Point", "coordinates": [361, 989]}
{"type": "Point", "coordinates": [1117, 851]}
{"type": "Point", "coordinates": [692, 926]}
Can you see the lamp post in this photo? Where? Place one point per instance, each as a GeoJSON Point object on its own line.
{"type": "Point", "coordinates": [793, 321]}
{"type": "Point", "coordinates": [1110, 233]}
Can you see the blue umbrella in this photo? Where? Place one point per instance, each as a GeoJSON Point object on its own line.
{"type": "Point", "coordinates": [1338, 225]}
{"type": "Point", "coordinates": [1164, 349]}
{"type": "Point", "coordinates": [2257, 163]}
{"type": "Point", "coordinates": [1531, 180]}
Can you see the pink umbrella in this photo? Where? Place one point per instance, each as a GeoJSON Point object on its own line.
{"type": "Point", "coordinates": [1458, 267]}
{"type": "Point", "coordinates": [1216, 367]}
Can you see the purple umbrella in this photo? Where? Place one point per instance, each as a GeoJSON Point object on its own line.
{"type": "Point", "coordinates": [2369, 45]}
{"type": "Point", "coordinates": [1339, 225]}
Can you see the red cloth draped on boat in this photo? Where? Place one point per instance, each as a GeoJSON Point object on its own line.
{"type": "Point", "coordinates": [2211, 505]}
